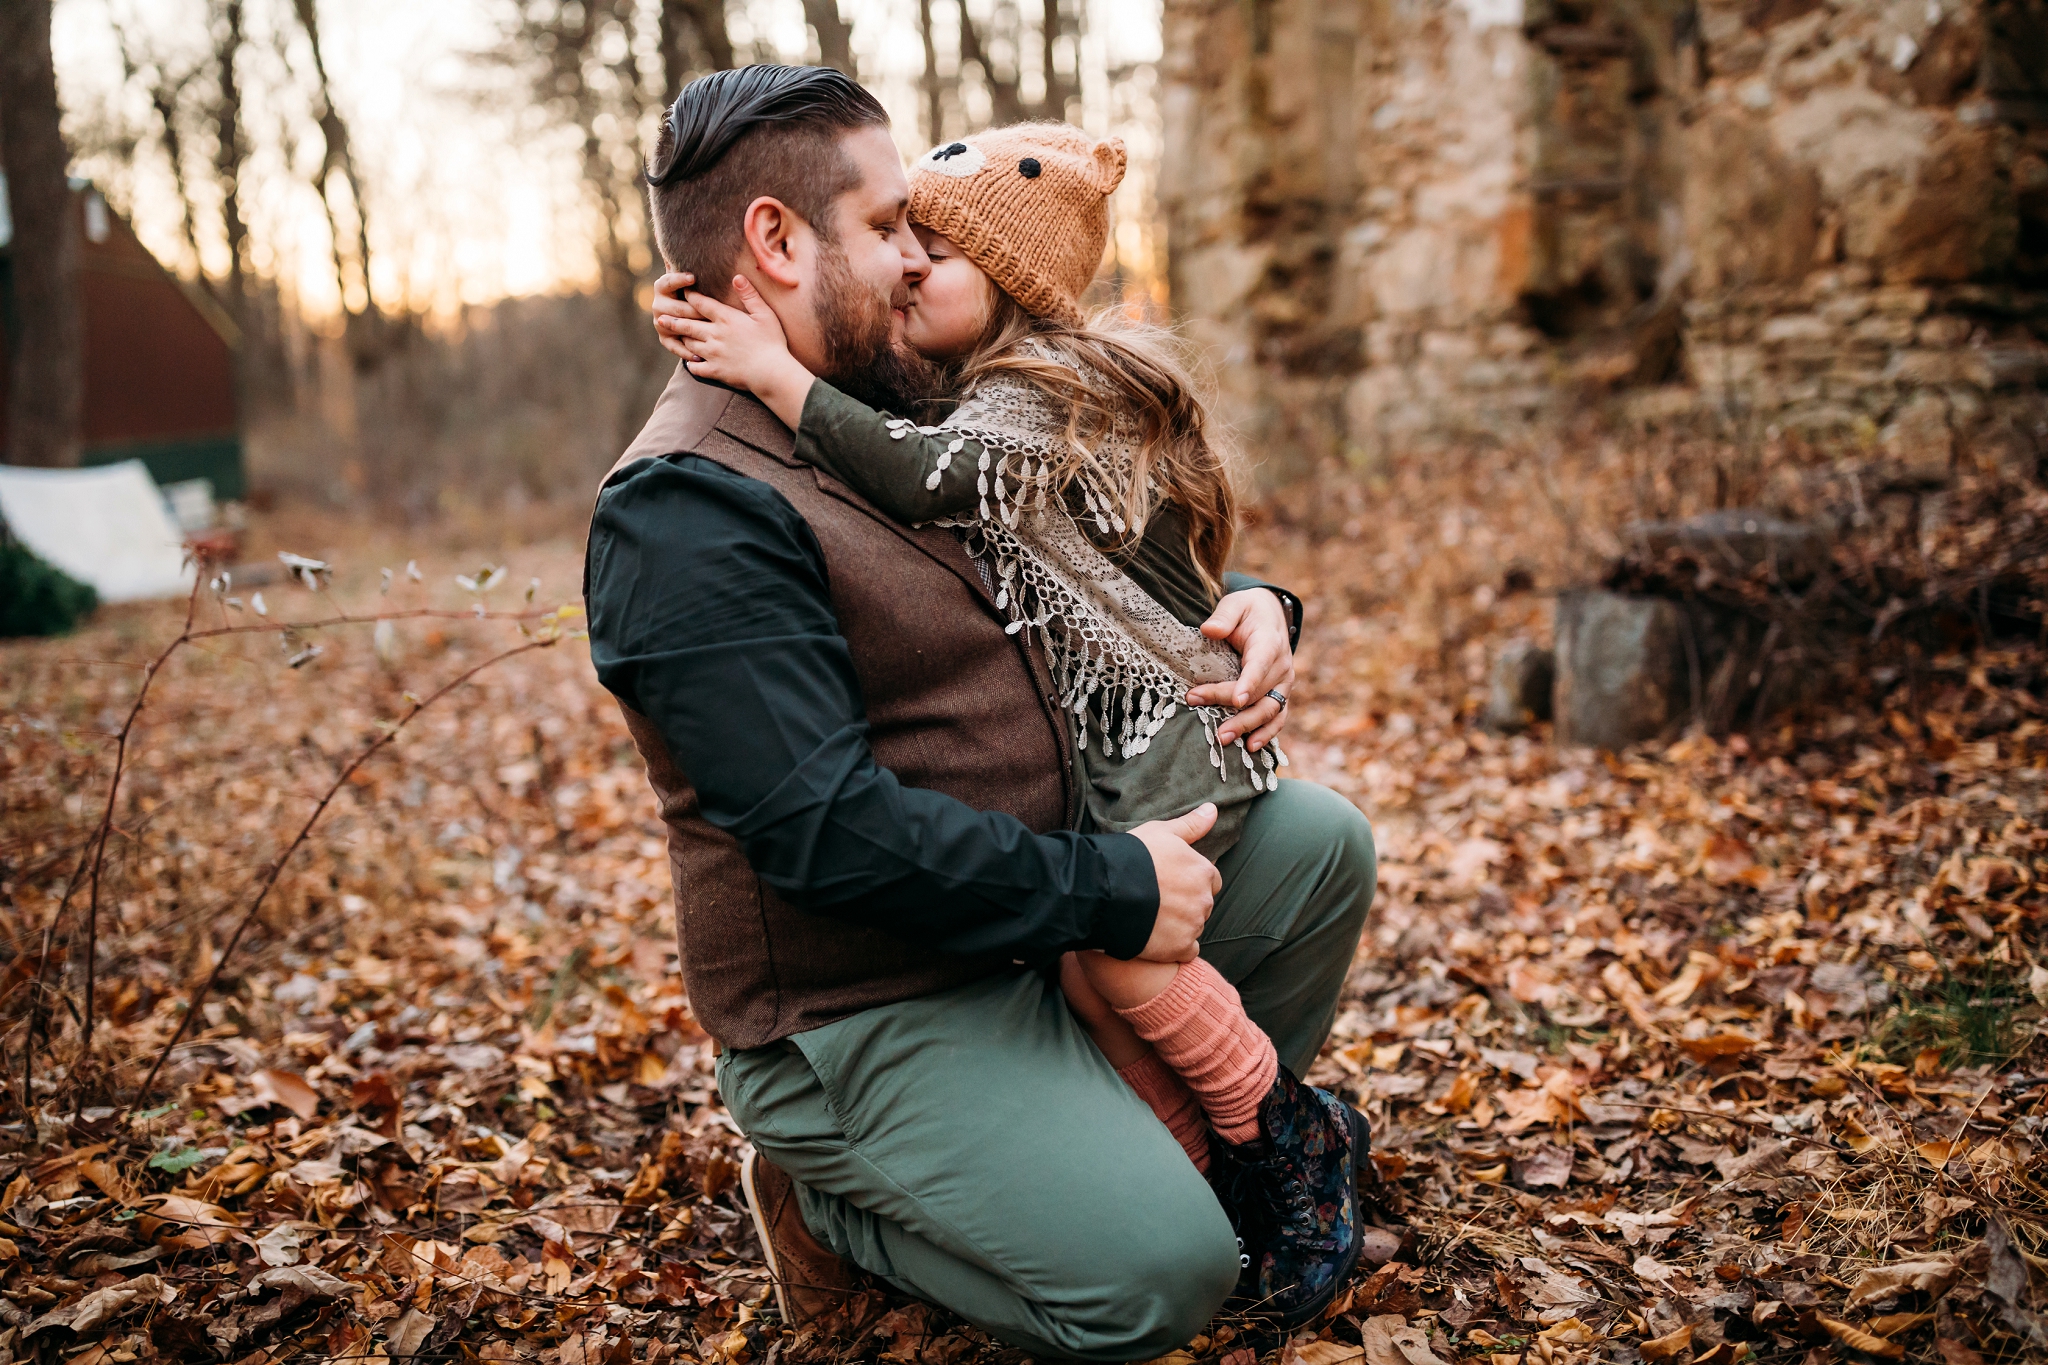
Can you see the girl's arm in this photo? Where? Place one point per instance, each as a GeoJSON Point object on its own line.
{"type": "Point", "coordinates": [743, 347]}
{"type": "Point", "coordinates": [913, 474]}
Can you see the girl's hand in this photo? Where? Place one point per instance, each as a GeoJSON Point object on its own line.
{"type": "Point", "coordinates": [1253, 623]}
{"type": "Point", "coordinates": [744, 347]}
{"type": "Point", "coordinates": [671, 307]}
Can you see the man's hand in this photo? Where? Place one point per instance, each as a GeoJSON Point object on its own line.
{"type": "Point", "coordinates": [1253, 623]}
{"type": "Point", "coordinates": [1188, 883]}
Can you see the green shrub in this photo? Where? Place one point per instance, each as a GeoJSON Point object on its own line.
{"type": "Point", "coordinates": [36, 598]}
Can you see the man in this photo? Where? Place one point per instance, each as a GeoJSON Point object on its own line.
{"type": "Point", "coordinates": [869, 789]}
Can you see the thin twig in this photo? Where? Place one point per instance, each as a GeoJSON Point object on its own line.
{"type": "Point", "coordinates": [277, 867]}
{"type": "Point", "coordinates": [91, 858]}
{"type": "Point", "coordinates": [92, 854]}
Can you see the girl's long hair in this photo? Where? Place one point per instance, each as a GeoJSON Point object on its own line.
{"type": "Point", "coordinates": [1113, 372]}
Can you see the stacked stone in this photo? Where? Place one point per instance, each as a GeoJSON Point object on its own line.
{"type": "Point", "coordinates": [1926, 375]}
{"type": "Point", "coordinates": [1398, 224]}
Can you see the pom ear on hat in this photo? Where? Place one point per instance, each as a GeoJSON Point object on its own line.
{"type": "Point", "coordinates": [1110, 161]}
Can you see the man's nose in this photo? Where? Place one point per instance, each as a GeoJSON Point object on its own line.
{"type": "Point", "coordinates": [916, 265]}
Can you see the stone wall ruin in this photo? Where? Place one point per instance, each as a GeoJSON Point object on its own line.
{"type": "Point", "coordinates": [1402, 222]}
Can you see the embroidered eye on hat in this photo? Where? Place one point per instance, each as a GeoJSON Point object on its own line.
{"type": "Point", "coordinates": [1029, 204]}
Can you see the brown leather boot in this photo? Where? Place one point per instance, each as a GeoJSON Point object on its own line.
{"type": "Point", "coordinates": [809, 1280]}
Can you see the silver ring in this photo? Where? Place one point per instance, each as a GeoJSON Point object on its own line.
{"type": "Point", "coordinates": [1275, 695]}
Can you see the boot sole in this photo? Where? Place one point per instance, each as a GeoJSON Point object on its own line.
{"type": "Point", "coordinates": [761, 1231]}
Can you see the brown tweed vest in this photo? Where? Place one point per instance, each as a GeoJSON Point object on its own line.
{"type": "Point", "coordinates": [953, 704]}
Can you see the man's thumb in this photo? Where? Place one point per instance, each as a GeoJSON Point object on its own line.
{"type": "Point", "coordinates": [1195, 823]}
{"type": "Point", "coordinates": [1225, 620]}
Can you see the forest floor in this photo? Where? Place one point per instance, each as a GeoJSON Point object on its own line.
{"type": "Point", "coordinates": [1713, 1050]}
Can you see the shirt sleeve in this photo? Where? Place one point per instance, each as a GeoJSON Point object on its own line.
{"type": "Point", "coordinates": [909, 475]}
{"type": "Point", "coordinates": [710, 615]}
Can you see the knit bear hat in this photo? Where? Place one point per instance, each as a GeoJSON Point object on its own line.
{"type": "Point", "coordinates": [1029, 204]}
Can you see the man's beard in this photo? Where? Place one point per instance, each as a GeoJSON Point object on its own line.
{"type": "Point", "coordinates": [863, 356]}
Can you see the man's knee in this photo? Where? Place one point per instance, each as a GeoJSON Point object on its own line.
{"type": "Point", "coordinates": [1326, 823]}
{"type": "Point", "coordinates": [1167, 1289]}
{"type": "Point", "coordinates": [1357, 856]}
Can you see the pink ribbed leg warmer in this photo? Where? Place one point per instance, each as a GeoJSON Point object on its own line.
{"type": "Point", "coordinates": [1200, 1030]}
{"type": "Point", "coordinates": [1168, 1096]}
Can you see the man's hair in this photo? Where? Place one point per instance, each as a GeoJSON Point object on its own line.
{"type": "Point", "coordinates": [734, 136]}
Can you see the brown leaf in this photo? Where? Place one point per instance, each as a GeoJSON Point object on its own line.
{"type": "Point", "coordinates": [1856, 1339]}
{"type": "Point", "coordinates": [584, 1213]}
{"type": "Point", "coordinates": [1376, 1335]}
{"type": "Point", "coordinates": [287, 1088]}
{"type": "Point", "coordinates": [408, 1334]}
{"type": "Point", "coordinates": [1716, 1046]}
{"type": "Point", "coordinates": [1932, 1275]}
{"type": "Point", "coordinates": [1954, 1352]}
{"type": "Point", "coordinates": [1937, 1154]}
{"type": "Point", "coordinates": [1464, 1090]}
{"type": "Point", "coordinates": [1891, 1324]}
{"type": "Point", "coordinates": [212, 1223]}
{"type": "Point", "coordinates": [112, 1183]}
{"type": "Point", "coordinates": [1547, 1167]}
{"type": "Point", "coordinates": [1665, 1347]}
{"type": "Point", "coordinates": [1727, 861]}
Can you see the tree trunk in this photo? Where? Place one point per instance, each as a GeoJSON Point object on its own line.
{"type": "Point", "coordinates": [367, 338]}
{"type": "Point", "coordinates": [166, 96]}
{"type": "Point", "coordinates": [229, 153]}
{"type": "Point", "coordinates": [835, 35]}
{"type": "Point", "coordinates": [934, 94]}
{"type": "Point", "coordinates": [46, 389]}
{"type": "Point", "coordinates": [693, 40]}
{"type": "Point", "coordinates": [1006, 103]}
{"type": "Point", "coordinates": [1058, 89]}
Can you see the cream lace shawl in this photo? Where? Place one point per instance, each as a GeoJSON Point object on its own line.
{"type": "Point", "coordinates": [1121, 661]}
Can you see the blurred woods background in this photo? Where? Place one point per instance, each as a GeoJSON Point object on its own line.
{"type": "Point", "coordinates": [424, 221]}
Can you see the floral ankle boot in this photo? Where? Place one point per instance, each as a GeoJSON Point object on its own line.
{"type": "Point", "coordinates": [1294, 1194]}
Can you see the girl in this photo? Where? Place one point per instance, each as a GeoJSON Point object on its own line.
{"type": "Point", "coordinates": [1079, 466]}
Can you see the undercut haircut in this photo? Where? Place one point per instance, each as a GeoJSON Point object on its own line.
{"type": "Point", "coordinates": [734, 136]}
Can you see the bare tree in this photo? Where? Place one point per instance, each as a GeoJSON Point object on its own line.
{"type": "Point", "coordinates": [1004, 80]}
{"type": "Point", "coordinates": [1005, 87]}
{"type": "Point", "coordinates": [167, 87]}
{"type": "Point", "coordinates": [47, 381]}
{"type": "Point", "coordinates": [835, 35]}
{"type": "Point", "coordinates": [230, 152]}
{"type": "Point", "coordinates": [693, 40]}
{"type": "Point", "coordinates": [579, 58]}
{"type": "Point", "coordinates": [933, 89]}
{"type": "Point", "coordinates": [350, 241]}
{"type": "Point", "coordinates": [1061, 88]}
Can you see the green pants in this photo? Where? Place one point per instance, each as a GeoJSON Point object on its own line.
{"type": "Point", "coordinates": [974, 1148]}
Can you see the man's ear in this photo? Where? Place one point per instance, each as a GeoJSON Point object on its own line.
{"type": "Point", "coordinates": [773, 231]}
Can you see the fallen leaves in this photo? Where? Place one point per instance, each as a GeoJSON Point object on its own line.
{"type": "Point", "coordinates": [1389, 1339]}
{"type": "Point", "coordinates": [1619, 1026]}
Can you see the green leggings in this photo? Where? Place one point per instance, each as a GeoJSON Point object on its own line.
{"type": "Point", "coordinates": [974, 1148]}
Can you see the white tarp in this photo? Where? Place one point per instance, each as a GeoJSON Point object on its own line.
{"type": "Point", "coordinates": [105, 526]}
